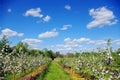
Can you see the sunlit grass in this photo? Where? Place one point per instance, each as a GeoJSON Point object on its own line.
{"type": "Point", "coordinates": [55, 72]}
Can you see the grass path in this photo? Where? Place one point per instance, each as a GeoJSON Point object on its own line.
{"type": "Point", "coordinates": [55, 72]}
{"type": "Point", "coordinates": [34, 74]}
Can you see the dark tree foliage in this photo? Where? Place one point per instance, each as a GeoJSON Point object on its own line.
{"type": "Point", "coordinates": [118, 51]}
{"type": "Point", "coordinates": [5, 45]}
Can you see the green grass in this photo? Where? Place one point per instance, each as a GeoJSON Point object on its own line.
{"type": "Point", "coordinates": [55, 72]}
{"type": "Point", "coordinates": [19, 74]}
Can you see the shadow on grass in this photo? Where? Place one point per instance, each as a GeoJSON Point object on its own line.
{"type": "Point", "coordinates": [43, 74]}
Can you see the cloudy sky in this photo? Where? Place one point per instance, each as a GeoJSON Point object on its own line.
{"type": "Point", "coordinates": [61, 25]}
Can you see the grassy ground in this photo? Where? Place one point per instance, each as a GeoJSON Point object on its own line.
{"type": "Point", "coordinates": [16, 76]}
{"type": "Point", "coordinates": [55, 72]}
{"type": "Point", "coordinates": [34, 74]}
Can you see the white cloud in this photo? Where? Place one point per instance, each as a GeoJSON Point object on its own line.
{"type": "Point", "coordinates": [82, 44]}
{"type": "Point", "coordinates": [71, 45]}
{"type": "Point", "coordinates": [9, 10]}
{"type": "Point", "coordinates": [68, 7]}
{"type": "Point", "coordinates": [10, 33]}
{"type": "Point", "coordinates": [33, 43]}
{"type": "Point", "coordinates": [65, 27]}
{"type": "Point", "coordinates": [47, 18]}
{"type": "Point", "coordinates": [102, 17]}
{"type": "Point", "coordinates": [48, 34]}
{"type": "Point", "coordinates": [81, 40]}
{"type": "Point", "coordinates": [97, 42]}
{"type": "Point", "coordinates": [67, 46]}
{"type": "Point", "coordinates": [117, 42]}
{"type": "Point", "coordinates": [78, 44]}
{"type": "Point", "coordinates": [67, 39]}
{"type": "Point", "coordinates": [20, 34]}
{"type": "Point", "coordinates": [30, 40]}
{"type": "Point", "coordinates": [75, 43]}
{"type": "Point", "coordinates": [35, 12]}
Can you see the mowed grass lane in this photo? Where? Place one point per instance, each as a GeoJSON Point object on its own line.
{"type": "Point", "coordinates": [55, 72]}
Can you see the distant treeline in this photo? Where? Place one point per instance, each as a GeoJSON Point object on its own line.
{"type": "Point", "coordinates": [24, 47]}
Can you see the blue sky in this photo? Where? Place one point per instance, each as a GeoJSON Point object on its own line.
{"type": "Point", "coordinates": [61, 25]}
